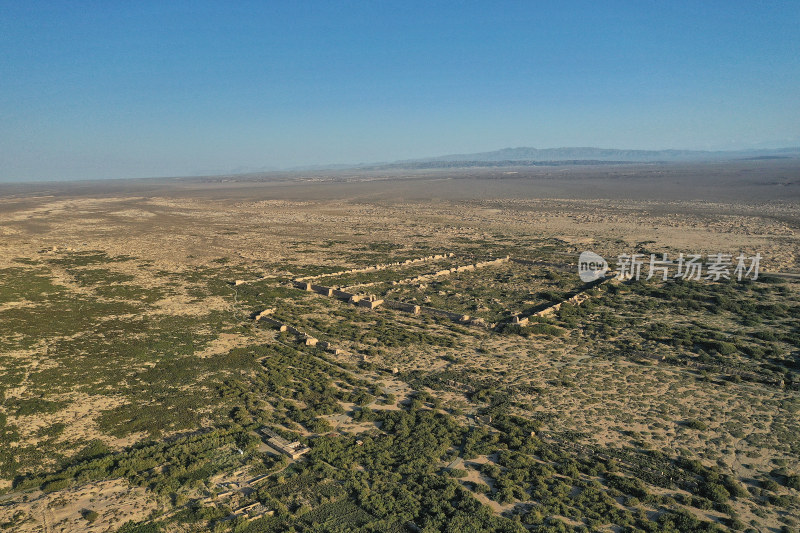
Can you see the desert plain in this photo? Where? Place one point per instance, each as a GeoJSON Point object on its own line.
{"type": "Point", "coordinates": [138, 368]}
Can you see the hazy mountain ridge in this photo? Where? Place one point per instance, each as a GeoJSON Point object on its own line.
{"type": "Point", "coordinates": [524, 153]}
{"type": "Point", "coordinates": [529, 156]}
{"type": "Point", "coordinates": [475, 163]}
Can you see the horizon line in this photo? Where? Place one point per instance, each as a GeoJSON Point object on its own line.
{"type": "Point", "coordinates": [422, 160]}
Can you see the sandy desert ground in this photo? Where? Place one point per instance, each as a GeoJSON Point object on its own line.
{"type": "Point", "coordinates": [161, 241]}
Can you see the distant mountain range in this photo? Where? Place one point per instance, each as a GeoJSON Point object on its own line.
{"type": "Point", "coordinates": [526, 156]}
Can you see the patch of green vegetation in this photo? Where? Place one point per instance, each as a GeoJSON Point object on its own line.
{"type": "Point", "coordinates": [61, 315]}
{"type": "Point", "coordinates": [693, 423]}
{"type": "Point", "coordinates": [90, 515]}
{"type": "Point", "coordinates": [95, 360]}
{"type": "Point", "coordinates": [26, 261]}
{"type": "Point", "coordinates": [534, 328]}
{"type": "Point", "coordinates": [33, 406]}
{"type": "Point", "coordinates": [109, 284]}
{"type": "Point", "coordinates": [32, 285]}
{"type": "Point", "coordinates": [210, 452]}
{"type": "Point", "coordinates": [98, 276]}
{"type": "Point", "coordinates": [392, 475]}
{"type": "Point", "coordinates": [86, 258]}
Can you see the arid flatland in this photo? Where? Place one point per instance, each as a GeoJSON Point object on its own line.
{"type": "Point", "coordinates": [135, 377]}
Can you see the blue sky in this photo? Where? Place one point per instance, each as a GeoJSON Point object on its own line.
{"type": "Point", "coordinates": [134, 89]}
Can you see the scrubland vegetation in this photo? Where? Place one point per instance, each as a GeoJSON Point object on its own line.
{"type": "Point", "coordinates": [134, 387]}
{"type": "Point", "coordinates": [192, 419]}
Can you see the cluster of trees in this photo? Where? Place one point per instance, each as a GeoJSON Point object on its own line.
{"type": "Point", "coordinates": [292, 386]}
{"type": "Point", "coordinates": [394, 476]}
{"type": "Point", "coordinates": [752, 302]}
{"type": "Point", "coordinates": [535, 328]}
{"type": "Point", "coordinates": [163, 467]}
{"type": "Point", "coordinates": [563, 484]}
{"type": "Point", "coordinates": [761, 348]}
{"type": "Point", "coordinates": [398, 478]}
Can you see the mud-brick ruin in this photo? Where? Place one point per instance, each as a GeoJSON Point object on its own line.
{"type": "Point", "coordinates": [371, 302]}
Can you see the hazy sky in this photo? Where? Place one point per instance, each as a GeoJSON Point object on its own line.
{"type": "Point", "coordinates": [138, 88]}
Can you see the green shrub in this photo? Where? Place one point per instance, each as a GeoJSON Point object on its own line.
{"type": "Point", "coordinates": [545, 329]}
{"type": "Point", "coordinates": [56, 484]}
{"type": "Point", "coordinates": [696, 424]}
{"type": "Point", "coordinates": [133, 527]}
{"type": "Point", "coordinates": [716, 492]}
